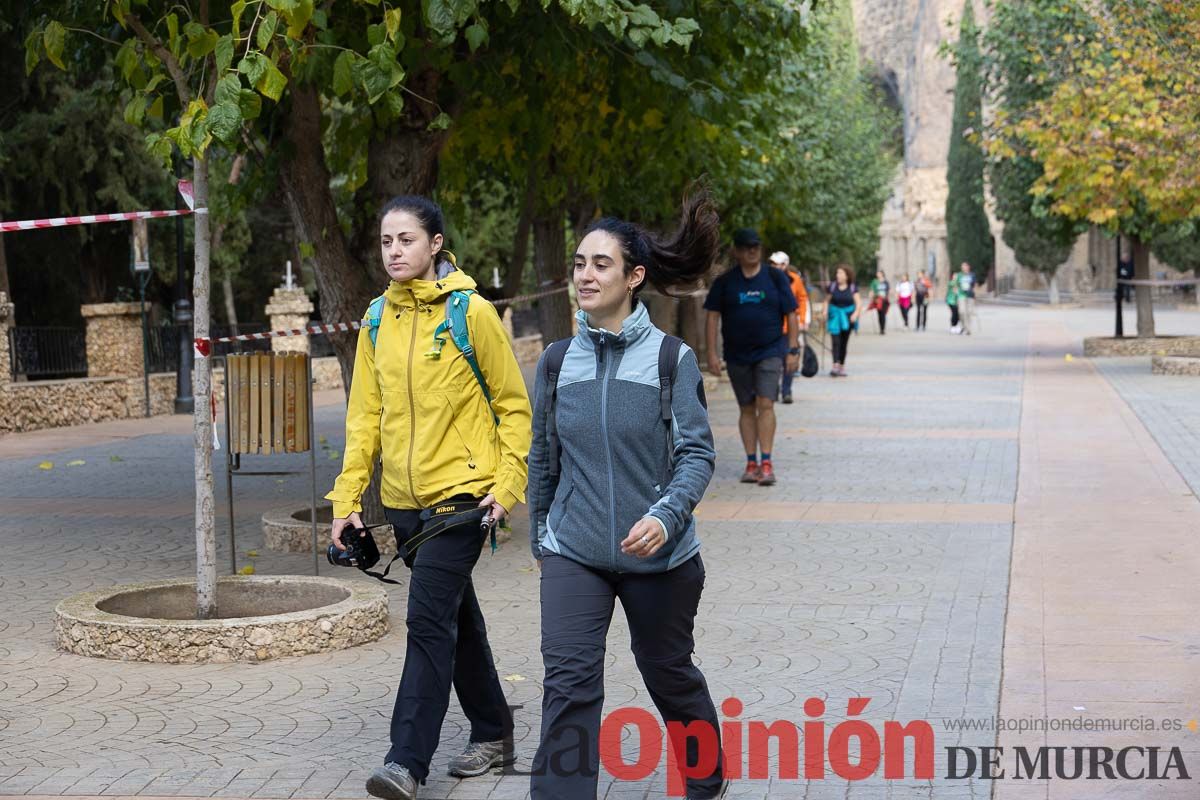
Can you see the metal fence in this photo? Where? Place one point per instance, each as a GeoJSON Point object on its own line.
{"type": "Point", "coordinates": [47, 352]}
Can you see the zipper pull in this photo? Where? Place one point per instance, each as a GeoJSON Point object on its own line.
{"type": "Point", "coordinates": [601, 348]}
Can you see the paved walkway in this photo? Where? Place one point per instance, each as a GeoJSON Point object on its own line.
{"type": "Point", "coordinates": [879, 567]}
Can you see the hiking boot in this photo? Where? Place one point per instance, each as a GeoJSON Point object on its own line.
{"type": "Point", "coordinates": [392, 781]}
{"type": "Point", "coordinates": [752, 474]}
{"type": "Point", "coordinates": [478, 758]}
{"type": "Point", "coordinates": [766, 475]}
{"type": "Point", "coordinates": [787, 399]}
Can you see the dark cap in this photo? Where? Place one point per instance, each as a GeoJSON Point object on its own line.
{"type": "Point", "coordinates": [746, 237]}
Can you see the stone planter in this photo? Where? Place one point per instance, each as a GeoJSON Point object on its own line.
{"type": "Point", "coordinates": [1175, 365]}
{"type": "Point", "coordinates": [1098, 346]}
{"type": "Point", "coordinates": [261, 618]}
{"type": "Point", "coordinates": [288, 530]}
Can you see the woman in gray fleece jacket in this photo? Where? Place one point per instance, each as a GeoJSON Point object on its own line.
{"type": "Point", "coordinates": [611, 494]}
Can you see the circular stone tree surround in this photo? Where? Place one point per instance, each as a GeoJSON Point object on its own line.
{"type": "Point", "coordinates": [289, 530]}
{"type": "Point", "coordinates": [262, 617]}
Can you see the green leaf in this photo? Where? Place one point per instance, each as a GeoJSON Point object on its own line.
{"type": "Point", "coordinates": [477, 36]}
{"type": "Point", "coordinates": [283, 6]}
{"type": "Point", "coordinates": [250, 104]}
{"type": "Point", "coordinates": [253, 66]}
{"type": "Point", "coordinates": [156, 108]}
{"type": "Point", "coordinates": [224, 52]}
{"type": "Point", "coordinates": [135, 109]}
{"type": "Point", "coordinates": [379, 72]}
{"type": "Point", "coordinates": [391, 19]}
{"type": "Point", "coordinates": [157, 78]}
{"type": "Point", "coordinates": [202, 42]}
{"type": "Point", "coordinates": [441, 122]}
{"type": "Point", "coordinates": [173, 34]}
{"type": "Point", "coordinates": [320, 19]}
{"type": "Point", "coordinates": [272, 82]}
{"type": "Point", "coordinates": [236, 11]}
{"type": "Point", "coordinates": [439, 15]}
{"type": "Point", "coordinates": [228, 89]}
{"type": "Point", "coordinates": [298, 19]}
{"type": "Point", "coordinates": [266, 30]}
{"type": "Point", "coordinates": [54, 38]}
{"type": "Point", "coordinates": [119, 10]}
{"type": "Point", "coordinates": [343, 79]}
{"type": "Point", "coordinates": [376, 34]}
{"type": "Point", "coordinates": [224, 121]}
{"type": "Point", "coordinates": [126, 59]}
{"type": "Point", "coordinates": [33, 50]}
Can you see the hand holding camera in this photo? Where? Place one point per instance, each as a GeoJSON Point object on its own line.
{"type": "Point", "coordinates": [352, 522]}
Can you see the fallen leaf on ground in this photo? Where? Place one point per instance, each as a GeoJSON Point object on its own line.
{"type": "Point", "coordinates": [79, 462]}
{"type": "Point", "coordinates": [246, 570]}
{"type": "Point", "coordinates": [252, 553]}
{"type": "Point", "coordinates": [46, 465]}
{"type": "Point", "coordinates": [115, 459]}
{"type": "Point", "coordinates": [514, 678]}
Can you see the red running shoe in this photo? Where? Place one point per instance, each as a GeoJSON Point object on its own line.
{"type": "Point", "coordinates": [767, 476]}
{"type": "Point", "coordinates": [752, 474]}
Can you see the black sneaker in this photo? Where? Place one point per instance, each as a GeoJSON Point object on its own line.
{"type": "Point", "coordinates": [392, 781]}
{"type": "Point", "coordinates": [720, 793]}
{"type": "Point", "coordinates": [787, 399]}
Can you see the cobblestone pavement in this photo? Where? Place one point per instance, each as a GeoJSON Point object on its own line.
{"type": "Point", "coordinates": [891, 586]}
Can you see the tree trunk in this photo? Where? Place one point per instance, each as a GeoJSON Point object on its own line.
{"type": "Point", "coordinates": [230, 311]}
{"type": "Point", "coordinates": [515, 276]}
{"type": "Point", "coordinates": [4, 268]}
{"type": "Point", "coordinates": [342, 281]}
{"type": "Point", "coordinates": [1143, 294]}
{"type": "Point", "coordinates": [206, 541]}
{"type": "Point", "coordinates": [549, 261]}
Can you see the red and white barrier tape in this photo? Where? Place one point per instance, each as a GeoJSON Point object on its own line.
{"type": "Point", "coordinates": [90, 219]}
{"type": "Point", "coordinates": [204, 345]}
{"type": "Point", "coordinates": [185, 191]}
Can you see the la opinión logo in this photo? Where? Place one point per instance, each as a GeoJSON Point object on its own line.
{"type": "Point", "coordinates": [812, 749]}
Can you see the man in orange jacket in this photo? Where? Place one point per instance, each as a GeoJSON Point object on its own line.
{"type": "Point", "coordinates": [780, 260]}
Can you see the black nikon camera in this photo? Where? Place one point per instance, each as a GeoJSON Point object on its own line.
{"type": "Point", "coordinates": [361, 550]}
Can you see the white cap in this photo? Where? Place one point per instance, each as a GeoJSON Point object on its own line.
{"type": "Point", "coordinates": [780, 257]}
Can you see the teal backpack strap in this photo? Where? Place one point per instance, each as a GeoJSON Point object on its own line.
{"type": "Point", "coordinates": [456, 325]}
{"type": "Point", "coordinates": [374, 315]}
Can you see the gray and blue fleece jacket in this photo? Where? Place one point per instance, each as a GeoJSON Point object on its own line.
{"type": "Point", "coordinates": [614, 450]}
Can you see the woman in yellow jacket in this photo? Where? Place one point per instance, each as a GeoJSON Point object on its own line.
{"type": "Point", "coordinates": [442, 444]}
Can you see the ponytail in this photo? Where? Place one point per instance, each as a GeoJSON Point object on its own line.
{"type": "Point", "coordinates": [678, 260]}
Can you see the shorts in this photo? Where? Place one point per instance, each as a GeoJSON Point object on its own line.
{"type": "Point", "coordinates": [760, 379]}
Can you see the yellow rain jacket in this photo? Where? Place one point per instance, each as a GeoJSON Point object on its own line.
{"type": "Point", "coordinates": [427, 417]}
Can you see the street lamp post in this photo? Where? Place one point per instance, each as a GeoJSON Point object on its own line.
{"type": "Point", "coordinates": [1118, 291]}
{"type": "Point", "coordinates": [184, 402]}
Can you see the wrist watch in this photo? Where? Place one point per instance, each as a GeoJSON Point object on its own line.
{"type": "Point", "coordinates": [795, 351]}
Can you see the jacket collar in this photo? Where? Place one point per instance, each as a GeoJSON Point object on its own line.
{"type": "Point", "coordinates": [634, 327]}
{"type": "Point", "coordinates": [428, 292]}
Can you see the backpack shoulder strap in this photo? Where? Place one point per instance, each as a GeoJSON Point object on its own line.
{"type": "Point", "coordinates": [457, 304]}
{"type": "Point", "coordinates": [374, 315]}
{"type": "Point", "coordinates": [668, 363]}
{"type": "Point", "coordinates": [556, 353]}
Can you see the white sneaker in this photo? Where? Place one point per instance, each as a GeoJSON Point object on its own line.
{"type": "Point", "coordinates": [955, 329]}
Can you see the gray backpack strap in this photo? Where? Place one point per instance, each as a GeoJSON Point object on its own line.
{"type": "Point", "coordinates": [668, 363]}
{"type": "Point", "coordinates": [556, 353]}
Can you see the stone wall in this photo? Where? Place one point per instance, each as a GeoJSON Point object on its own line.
{"type": "Point", "coordinates": [114, 339]}
{"type": "Point", "coordinates": [56, 404]}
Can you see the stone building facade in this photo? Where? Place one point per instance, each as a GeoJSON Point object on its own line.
{"type": "Point", "coordinates": [900, 40]}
